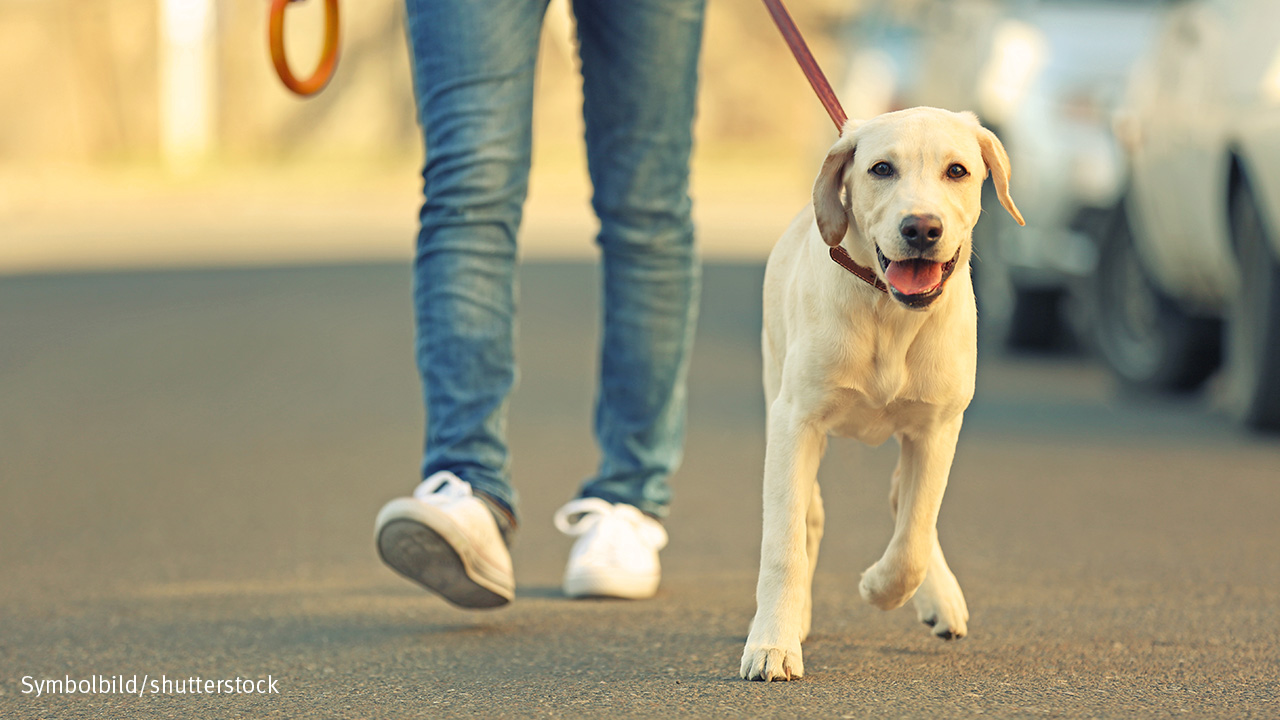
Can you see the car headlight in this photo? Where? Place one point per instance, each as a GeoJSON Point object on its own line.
{"type": "Point", "coordinates": [1270, 85]}
{"type": "Point", "coordinates": [1018, 53]}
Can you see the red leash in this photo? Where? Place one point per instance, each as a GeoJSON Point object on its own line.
{"type": "Point", "coordinates": [808, 65]}
{"type": "Point", "coordinates": [818, 81]}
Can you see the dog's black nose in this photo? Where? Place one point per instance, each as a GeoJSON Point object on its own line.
{"type": "Point", "coordinates": [921, 231]}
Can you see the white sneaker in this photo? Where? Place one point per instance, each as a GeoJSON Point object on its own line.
{"type": "Point", "coordinates": [446, 539]}
{"type": "Point", "coordinates": [616, 554]}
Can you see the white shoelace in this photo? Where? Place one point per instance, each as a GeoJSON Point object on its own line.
{"type": "Point", "coordinates": [578, 517]}
{"type": "Point", "coordinates": [442, 487]}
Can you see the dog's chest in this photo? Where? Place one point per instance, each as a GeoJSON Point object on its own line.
{"type": "Point", "coordinates": [877, 366]}
{"type": "Point", "coordinates": [882, 385]}
{"type": "Point", "coordinates": [870, 405]}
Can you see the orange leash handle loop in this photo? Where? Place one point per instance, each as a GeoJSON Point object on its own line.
{"type": "Point", "coordinates": [328, 57]}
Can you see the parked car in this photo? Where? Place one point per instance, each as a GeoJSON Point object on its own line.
{"type": "Point", "coordinates": [1047, 76]}
{"type": "Point", "coordinates": [1069, 169]}
{"type": "Point", "coordinates": [1194, 248]}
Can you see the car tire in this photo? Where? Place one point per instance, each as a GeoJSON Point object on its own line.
{"type": "Point", "coordinates": [1016, 317]}
{"type": "Point", "coordinates": [1147, 340]}
{"type": "Point", "coordinates": [1037, 322]}
{"type": "Point", "coordinates": [1253, 317]}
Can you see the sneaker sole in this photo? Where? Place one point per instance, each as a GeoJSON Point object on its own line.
{"type": "Point", "coordinates": [611, 586]}
{"type": "Point", "coordinates": [422, 554]}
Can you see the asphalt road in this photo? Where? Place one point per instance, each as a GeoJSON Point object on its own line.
{"type": "Point", "coordinates": [190, 465]}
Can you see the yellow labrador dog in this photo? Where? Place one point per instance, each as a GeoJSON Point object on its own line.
{"type": "Point", "coordinates": [889, 352]}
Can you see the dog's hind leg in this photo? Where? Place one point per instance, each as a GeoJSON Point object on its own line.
{"type": "Point", "coordinates": [919, 483]}
{"type": "Point", "coordinates": [814, 523]}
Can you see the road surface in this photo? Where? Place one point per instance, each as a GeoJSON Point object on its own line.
{"type": "Point", "coordinates": [191, 462]}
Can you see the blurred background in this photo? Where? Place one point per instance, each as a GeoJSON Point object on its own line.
{"type": "Point", "coordinates": [207, 383]}
{"type": "Point", "coordinates": [129, 119]}
{"type": "Point", "coordinates": [1143, 136]}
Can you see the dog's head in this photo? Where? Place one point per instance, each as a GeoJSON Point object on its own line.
{"type": "Point", "coordinates": [911, 183]}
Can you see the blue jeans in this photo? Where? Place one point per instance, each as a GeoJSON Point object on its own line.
{"type": "Point", "coordinates": [473, 74]}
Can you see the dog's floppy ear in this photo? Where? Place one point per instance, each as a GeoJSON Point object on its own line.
{"type": "Point", "coordinates": [997, 161]}
{"type": "Point", "coordinates": [828, 205]}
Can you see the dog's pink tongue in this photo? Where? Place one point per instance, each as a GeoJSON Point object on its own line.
{"type": "Point", "coordinates": [913, 277]}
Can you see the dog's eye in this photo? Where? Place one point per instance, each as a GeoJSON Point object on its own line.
{"type": "Point", "coordinates": [956, 171]}
{"type": "Point", "coordinates": [883, 169]}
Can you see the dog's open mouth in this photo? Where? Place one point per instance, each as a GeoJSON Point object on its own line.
{"type": "Point", "coordinates": [916, 282]}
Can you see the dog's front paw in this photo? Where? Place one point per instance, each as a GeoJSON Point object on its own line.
{"type": "Point", "coordinates": [888, 589]}
{"type": "Point", "coordinates": [769, 663]}
{"type": "Point", "coordinates": [940, 605]}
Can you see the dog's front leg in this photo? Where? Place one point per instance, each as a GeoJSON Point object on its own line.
{"type": "Point", "coordinates": [939, 601]}
{"type": "Point", "coordinates": [792, 455]}
{"type": "Point", "coordinates": [815, 522]}
{"type": "Point", "coordinates": [923, 468]}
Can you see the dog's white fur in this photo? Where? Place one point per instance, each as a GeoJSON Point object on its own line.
{"type": "Point", "coordinates": [841, 357]}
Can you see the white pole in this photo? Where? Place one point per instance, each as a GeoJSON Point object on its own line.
{"type": "Point", "coordinates": [187, 82]}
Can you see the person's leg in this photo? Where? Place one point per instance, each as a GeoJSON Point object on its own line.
{"type": "Point", "coordinates": [639, 64]}
{"type": "Point", "coordinates": [473, 70]}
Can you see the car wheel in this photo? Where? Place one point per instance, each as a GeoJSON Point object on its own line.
{"type": "Point", "coordinates": [991, 286]}
{"type": "Point", "coordinates": [1253, 319]}
{"type": "Point", "coordinates": [1037, 321]}
{"type": "Point", "coordinates": [1146, 339]}
{"type": "Point", "coordinates": [1018, 318]}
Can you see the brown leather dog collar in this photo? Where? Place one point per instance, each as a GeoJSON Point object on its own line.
{"type": "Point", "coordinates": [867, 275]}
